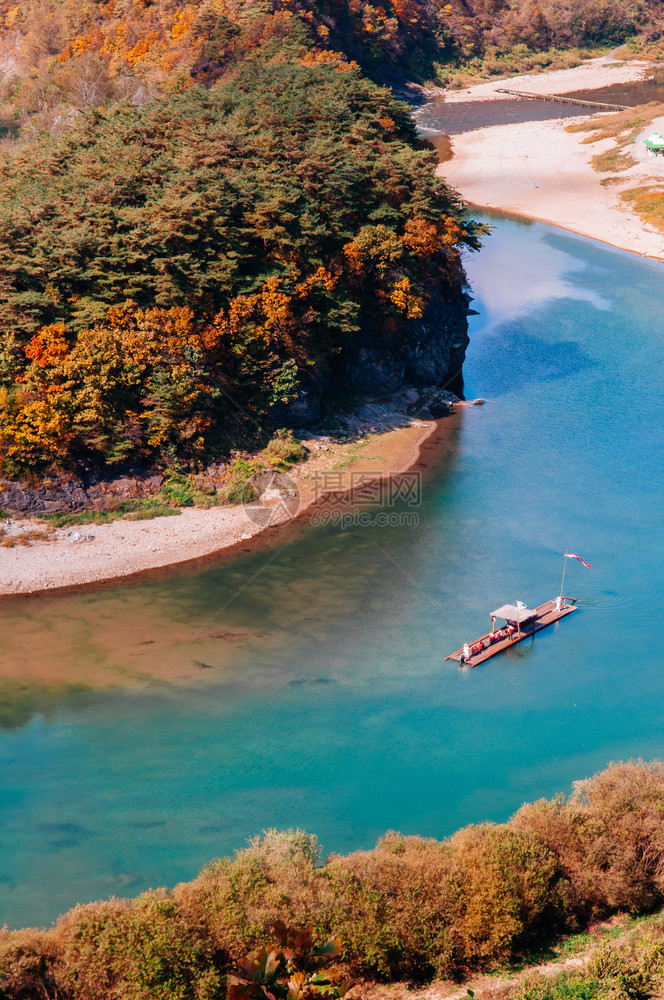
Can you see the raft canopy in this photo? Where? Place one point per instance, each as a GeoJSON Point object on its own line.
{"type": "Point", "coordinates": [512, 613]}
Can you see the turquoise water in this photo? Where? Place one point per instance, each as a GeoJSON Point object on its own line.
{"type": "Point", "coordinates": [334, 710]}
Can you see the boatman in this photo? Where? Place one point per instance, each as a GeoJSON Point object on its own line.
{"type": "Point", "coordinates": [466, 651]}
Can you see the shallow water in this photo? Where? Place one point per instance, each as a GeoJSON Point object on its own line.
{"type": "Point", "coordinates": [439, 121]}
{"type": "Point", "coordinates": [630, 94]}
{"type": "Point", "coordinates": [332, 707]}
{"type": "Point", "coordinates": [438, 115]}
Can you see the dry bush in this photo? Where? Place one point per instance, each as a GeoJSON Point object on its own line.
{"type": "Point", "coordinates": [608, 837]}
{"type": "Point", "coordinates": [28, 962]}
{"type": "Point", "coordinates": [9, 541]}
{"type": "Point", "coordinates": [394, 907]}
{"type": "Point", "coordinates": [562, 829]}
{"type": "Point", "coordinates": [120, 950]}
{"type": "Point", "coordinates": [235, 900]}
{"type": "Point", "coordinates": [625, 838]}
{"type": "Point", "coordinates": [511, 890]}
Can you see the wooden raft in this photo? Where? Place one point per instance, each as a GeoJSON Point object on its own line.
{"type": "Point", "coordinates": [546, 615]}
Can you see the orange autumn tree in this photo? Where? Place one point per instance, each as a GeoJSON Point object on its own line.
{"type": "Point", "coordinates": [212, 257]}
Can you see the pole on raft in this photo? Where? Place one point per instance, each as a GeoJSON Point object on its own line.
{"type": "Point", "coordinates": [562, 582]}
{"type": "Point", "coordinates": [493, 625]}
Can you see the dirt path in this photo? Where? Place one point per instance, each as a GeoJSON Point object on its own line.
{"type": "Point", "coordinates": [497, 986]}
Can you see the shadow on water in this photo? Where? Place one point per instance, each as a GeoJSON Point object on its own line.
{"type": "Point", "coordinates": [21, 702]}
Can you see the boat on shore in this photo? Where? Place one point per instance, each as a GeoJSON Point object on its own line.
{"type": "Point", "coordinates": [520, 623]}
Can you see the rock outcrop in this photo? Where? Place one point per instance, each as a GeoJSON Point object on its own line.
{"type": "Point", "coordinates": [60, 494]}
{"type": "Point", "coordinates": [425, 352]}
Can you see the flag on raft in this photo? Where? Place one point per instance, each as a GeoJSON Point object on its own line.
{"type": "Point", "coordinates": [573, 555]}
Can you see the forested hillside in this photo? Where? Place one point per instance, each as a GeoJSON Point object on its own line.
{"type": "Point", "coordinates": [205, 207]}
{"type": "Point", "coordinates": [177, 266]}
{"type": "Point", "coordinates": [89, 51]}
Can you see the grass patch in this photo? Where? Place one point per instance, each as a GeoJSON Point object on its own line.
{"type": "Point", "coordinates": [648, 203]}
{"type": "Point", "coordinates": [239, 481]}
{"type": "Point", "coordinates": [178, 489]}
{"type": "Point", "coordinates": [136, 509]}
{"type": "Point", "coordinates": [282, 451]}
{"type": "Point", "coordinates": [351, 455]}
{"type": "Point", "coordinates": [641, 48]}
{"type": "Point", "coordinates": [237, 492]}
{"type": "Point", "coordinates": [285, 449]}
{"type": "Point", "coordinates": [624, 127]}
{"type": "Point", "coordinates": [616, 124]}
{"type": "Point", "coordinates": [612, 160]}
{"type": "Point", "coordinates": [627, 969]}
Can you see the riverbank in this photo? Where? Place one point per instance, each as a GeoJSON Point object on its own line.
{"type": "Point", "coordinates": [383, 441]}
{"type": "Point", "coordinates": [541, 171]}
{"type": "Point", "coordinates": [600, 72]}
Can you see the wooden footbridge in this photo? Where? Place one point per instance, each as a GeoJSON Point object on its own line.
{"type": "Point", "coordinates": [561, 99]}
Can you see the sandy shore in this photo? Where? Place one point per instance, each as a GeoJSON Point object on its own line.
{"type": "Point", "coordinates": [541, 171]}
{"type": "Point", "coordinates": [600, 72]}
{"type": "Point", "coordinates": [387, 443]}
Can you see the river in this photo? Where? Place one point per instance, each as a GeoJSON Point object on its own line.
{"type": "Point", "coordinates": [320, 696]}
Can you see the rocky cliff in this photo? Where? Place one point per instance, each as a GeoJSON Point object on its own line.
{"type": "Point", "coordinates": [425, 352]}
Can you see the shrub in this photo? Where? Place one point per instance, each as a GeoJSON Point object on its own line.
{"type": "Point", "coordinates": [409, 909]}
{"type": "Point", "coordinates": [239, 482]}
{"type": "Point", "coordinates": [509, 891]}
{"type": "Point", "coordinates": [179, 489]}
{"type": "Point", "coordinates": [285, 449]}
{"type": "Point", "coordinates": [131, 951]}
{"type": "Point", "coordinates": [609, 838]}
{"type": "Point", "coordinates": [28, 965]}
{"type": "Point", "coordinates": [237, 899]}
{"type": "Point", "coordinates": [395, 905]}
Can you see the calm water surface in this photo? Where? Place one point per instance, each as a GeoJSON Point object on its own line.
{"type": "Point", "coordinates": [630, 94]}
{"type": "Point", "coordinates": [454, 118]}
{"type": "Point", "coordinates": [334, 710]}
{"type": "Point", "coordinates": [439, 121]}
